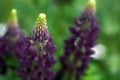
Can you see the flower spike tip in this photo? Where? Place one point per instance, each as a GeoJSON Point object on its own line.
{"type": "Point", "coordinates": [13, 20]}
{"type": "Point", "coordinates": [91, 6]}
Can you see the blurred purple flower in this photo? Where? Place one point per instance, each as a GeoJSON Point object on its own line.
{"type": "Point", "coordinates": [9, 40]}
{"type": "Point", "coordinates": [78, 50]}
{"type": "Point", "coordinates": [37, 57]}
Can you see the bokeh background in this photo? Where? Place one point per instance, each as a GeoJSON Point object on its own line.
{"type": "Point", "coordinates": [60, 16]}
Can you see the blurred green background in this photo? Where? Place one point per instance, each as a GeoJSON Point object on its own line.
{"type": "Point", "coordinates": [60, 16]}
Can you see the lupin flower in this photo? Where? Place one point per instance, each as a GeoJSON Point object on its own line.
{"type": "Point", "coordinates": [78, 50]}
{"type": "Point", "coordinates": [37, 58]}
{"type": "Point", "coordinates": [9, 41]}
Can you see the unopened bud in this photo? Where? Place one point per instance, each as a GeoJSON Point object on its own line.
{"type": "Point", "coordinates": [91, 6]}
{"type": "Point", "coordinates": [40, 31]}
{"type": "Point", "coordinates": [13, 21]}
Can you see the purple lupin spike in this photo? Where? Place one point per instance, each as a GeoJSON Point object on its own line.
{"type": "Point", "coordinates": [78, 50]}
{"type": "Point", "coordinates": [9, 40]}
{"type": "Point", "coordinates": [37, 58]}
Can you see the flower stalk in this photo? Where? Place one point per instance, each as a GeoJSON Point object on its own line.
{"type": "Point", "coordinates": [37, 60]}
{"type": "Point", "coordinates": [10, 40]}
{"type": "Point", "coordinates": [76, 58]}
